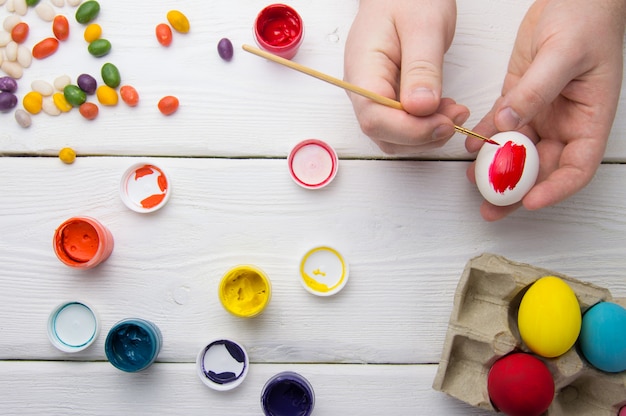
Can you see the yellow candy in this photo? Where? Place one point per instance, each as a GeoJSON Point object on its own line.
{"type": "Point", "coordinates": [61, 102]}
{"type": "Point", "coordinates": [33, 102]}
{"type": "Point", "coordinates": [179, 21]}
{"type": "Point", "coordinates": [107, 95]}
{"type": "Point", "coordinates": [67, 155]}
{"type": "Point", "coordinates": [92, 32]}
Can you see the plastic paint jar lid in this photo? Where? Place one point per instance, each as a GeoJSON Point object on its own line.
{"type": "Point", "coordinates": [279, 29]}
{"type": "Point", "coordinates": [144, 188]}
{"type": "Point", "coordinates": [222, 365]}
{"type": "Point", "coordinates": [313, 164]}
{"type": "Point", "coordinates": [245, 291]}
{"type": "Point", "coordinates": [323, 271]}
{"type": "Point", "coordinates": [287, 393]}
{"type": "Point", "coordinates": [82, 242]}
{"type": "Point", "coordinates": [73, 326]}
{"type": "Point", "coordinates": [133, 344]}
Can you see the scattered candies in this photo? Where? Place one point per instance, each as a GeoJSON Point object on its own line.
{"type": "Point", "coordinates": [45, 48]}
{"type": "Point", "coordinates": [8, 100]}
{"type": "Point", "coordinates": [61, 103]}
{"type": "Point", "coordinates": [110, 75]}
{"type": "Point", "coordinates": [99, 47]}
{"type": "Point", "coordinates": [74, 95]}
{"type": "Point", "coordinates": [8, 84]}
{"type": "Point", "coordinates": [88, 110]}
{"type": "Point", "coordinates": [168, 105]}
{"type": "Point", "coordinates": [92, 32]}
{"type": "Point", "coordinates": [87, 83]}
{"type": "Point", "coordinates": [107, 95]}
{"type": "Point", "coordinates": [32, 102]}
{"type": "Point", "coordinates": [32, 3]}
{"type": "Point", "coordinates": [225, 49]}
{"type": "Point", "coordinates": [19, 33]}
{"type": "Point", "coordinates": [129, 95]}
{"type": "Point", "coordinates": [67, 155]}
{"type": "Point", "coordinates": [23, 118]}
{"type": "Point", "coordinates": [178, 20]}
{"type": "Point", "coordinates": [163, 34]}
{"type": "Point", "coordinates": [87, 11]}
{"type": "Point", "coordinates": [61, 27]}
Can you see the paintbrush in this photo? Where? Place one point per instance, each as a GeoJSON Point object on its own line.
{"type": "Point", "coordinates": [380, 99]}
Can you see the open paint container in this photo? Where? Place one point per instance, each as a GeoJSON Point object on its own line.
{"type": "Point", "coordinates": [222, 365]}
{"type": "Point", "coordinates": [144, 188]}
{"type": "Point", "coordinates": [287, 393]}
{"type": "Point", "coordinates": [73, 326]}
{"type": "Point", "coordinates": [245, 291]}
{"type": "Point", "coordinates": [313, 164]}
{"type": "Point", "coordinates": [279, 29]}
{"type": "Point", "coordinates": [323, 271]}
{"type": "Point", "coordinates": [133, 344]}
{"type": "Point", "coordinates": [82, 242]}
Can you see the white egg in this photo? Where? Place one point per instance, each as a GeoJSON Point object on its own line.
{"type": "Point", "coordinates": [505, 173]}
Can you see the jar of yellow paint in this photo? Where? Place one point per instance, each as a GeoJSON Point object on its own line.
{"type": "Point", "coordinates": [245, 291]}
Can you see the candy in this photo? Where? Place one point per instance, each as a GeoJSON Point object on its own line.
{"type": "Point", "coordinates": [168, 105]}
{"type": "Point", "coordinates": [129, 95]}
{"type": "Point", "coordinates": [74, 95]}
{"type": "Point", "coordinates": [32, 3]}
{"type": "Point", "coordinates": [61, 27]}
{"type": "Point", "coordinates": [10, 21]}
{"type": "Point", "coordinates": [110, 75]}
{"type": "Point", "coordinates": [99, 47]}
{"type": "Point", "coordinates": [8, 84]}
{"type": "Point", "coordinates": [92, 32]}
{"type": "Point", "coordinates": [164, 34]}
{"type": "Point", "coordinates": [59, 100]}
{"type": "Point", "coordinates": [12, 69]}
{"type": "Point", "coordinates": [60, 82]}
{"type": "Point", "coordinates": [5, 38]}
{"type": "Point", "coordinates": [8, 100]}
{"type": "Point", "coordinates": [42, 87]}
{"type": "Point", "coordinates": [10, 52]}
{"type": "Point", "coordinates": [88, 110]}
{"type": "Point", "coordinates": [49, 107]}
{"type": "Point", "coordinates": [87, 11]}
{"type": "Point", "coordinates": [45, 12]}
{"type": "Point", "coordinates": [178, 20]}
{"type": "Point", "coordinates": [23, 118]}
{"type": "Point", "coordinates": [32, 102]}
{"type": "Point", "coordinates": [24, 56]}
{"type": "Point", "coordinates": [45, 48]}
{"type": "Point", "coordinates": [87, 83]}
{"type": "Point", "coordinates": [19, 33]}
{"type": "Point", "coordinates": [67, 155]}
{"type": "Point", "coordinates": [225, 49]}
{"type": "Point", "coordinates": [107, 95]}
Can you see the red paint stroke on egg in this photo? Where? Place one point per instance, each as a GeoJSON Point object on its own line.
{"type": "Point", "coordinates": [507, 166]}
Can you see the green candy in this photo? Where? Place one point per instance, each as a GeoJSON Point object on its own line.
{"type": "Point", "coordinates": [74, 95]}
{"type": "Point", "coordinates": [87, 11]}
{"type": "Point", "coordinates": [99, 47]}
{"type": "Point", "coordinates": [110, 75]}
{"type": "Point", "coordinates": [32, 3]}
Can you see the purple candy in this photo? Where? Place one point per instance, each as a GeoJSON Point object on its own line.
{"type": "Point", "coordinates": [8, 84]}
{"type": "Point", "coordinates": [8, 100]}
{"type": "Point", "coordinates": [87, 83]}
{"type": "Point", "coordinates": [225, 49]}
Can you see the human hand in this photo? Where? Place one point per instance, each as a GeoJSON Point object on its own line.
{"type": "Point", "coordinates": [395, 48]}
{"type": "Point", "coordinates": [561, 89]}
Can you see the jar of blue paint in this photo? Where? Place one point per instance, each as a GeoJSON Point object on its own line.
{"type": "Point", "coordinates": [287, 394]}
{"type": "Point", "coordinates": [133, 344]}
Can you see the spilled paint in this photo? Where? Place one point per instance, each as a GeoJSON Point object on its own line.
{"type": "Point", "coordinates": [507, 166]}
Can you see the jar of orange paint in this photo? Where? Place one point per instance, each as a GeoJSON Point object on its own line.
{"type": "Point", "coordinates": [82, 242]}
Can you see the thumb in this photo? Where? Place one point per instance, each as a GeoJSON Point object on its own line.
{"type": "Point", "coordinates": [540, 85]}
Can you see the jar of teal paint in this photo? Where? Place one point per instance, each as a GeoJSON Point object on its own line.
{"type": "Point", "coordinates": [133, 344]}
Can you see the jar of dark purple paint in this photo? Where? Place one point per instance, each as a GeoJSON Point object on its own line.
{"type": "Point", "coordinates": [287, 394]}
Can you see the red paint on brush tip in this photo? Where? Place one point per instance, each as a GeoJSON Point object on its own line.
{"type": "Point", "coordinates": [507, 167]}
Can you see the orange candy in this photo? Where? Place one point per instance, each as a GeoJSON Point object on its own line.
{"type": "Point", "coordinates": [61, 27]}
{"type": "Point", "coordinates": [19, 33]}
{"type": "Point", "coordinates": [164, 34]}
{"type": "Point", "coordinates": [168, 105]}
{"type": "Point", "coordinates": [45, 48]}
{"type": "Point", "coordinates": [129, 95]}
{"type": "Point", "coordinates": [88, 110]}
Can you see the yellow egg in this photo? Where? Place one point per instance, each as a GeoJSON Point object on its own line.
{"type": "Point", "coordinates": [549, 317]}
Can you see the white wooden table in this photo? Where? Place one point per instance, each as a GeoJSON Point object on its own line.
{"type": "Point", "coordinates": [407, 228]}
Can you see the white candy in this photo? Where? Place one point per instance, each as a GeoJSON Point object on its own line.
{"type": "Point", "coordinates": [58, 3]}
{"type": "Point", "coordinates": [10, 52]}
{"type": "Point", "coordinates": [12, 69]}
{"type": "Point", "coordinates": [10, 6]}
{"type": "Point", "coordinates": [20, 7]}
{"type": "Point", "coordinates": [48, 107]}
{"type": "Point", "coordinates": [10, 22]}
{"type": "Point", "coordinates": [42, 87]}
{"type": "Point", "coordinates": [74, 3]}
{"type": "Point", "coordinates": [45, 12]}
{"type": "Point", "coordinates": [23, 118]}
{"type": "Point", "coordinates": [5, 38]}
{"type": "Point", "coordinates": [61, 82]}
{"type": "Point", "coordinates": [24, 56]}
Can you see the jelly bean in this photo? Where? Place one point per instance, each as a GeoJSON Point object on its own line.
{"type": "Point", "coordinates": [107, 95]}
{"type": "Point", "coordinates": [12, 69]}
{"type": "Point", "coordinates": [10, 51]}
{"type": "Point", "coordinates": [32, 3]}
{"type": "Point", "coordinates": [19, 33]}
{"type": "Point", "coordinates": [10, 21]}
{"type": "Point", "coordinates": [74, 95]}
{"type": "Point", "coordinates": [24, 56]}
{"type": "Point", "coordinates": [5, 38]}
{"type": "Point", "coordinates": [178, 20]}
{"type": "Point", "coordinates": [87, 11]}
{"type": "Point", "coordinates": [168, 105]}
{"type": "Point", "coordinates": [42, 87]}
{"type": "Point", "coordinates": [110, 75]}
{"type": "Point", "coordinates": [49, 107]}
{"type": "Point", "coordinates": [45, 48]}
{"type": "Point", "coordinates": [88, 110]}
{"type": "Point", "coordinates": [67, 155]}
{"type": "Point", "coordinates": [92, 32]}
{"type": "Point", "coordinates": [129, 95]}
{"type": "Point", "coordinates": [61, 27]}
{"type": "Point", "coordinates": [45, 12]}
{"type": "Point", "coordinates": [225, 49]}
{"type": "Point", "coordinates": [60, 82]}
{"type": "Point", "coordinates": [58, 3]}
{"type": "Point", "coordinates": [32, 102]}
{"type": "Point", "coordinates": [59, 100]}
{"type": "Point", "coordinates": [8, 84]}
{"type": "Point", "coordinates": [8, 100]}
{"type": "Point", "coordinates": [87, 83]}
{"type": "Point", "coordinates": [23, 118]}
{"type": "Point", "coordinates": [164, 34]}
{"type": "Point", "coordinates": [74, 3]}
{"type": "Point", "coordinates": [99, 47]}
{"type": "Point", "coordinates": [20, 7]}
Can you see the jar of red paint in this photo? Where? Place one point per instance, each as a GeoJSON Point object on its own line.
{"type": "Point", "coordinates": [279, 29]}
{"type": "Point", "coordinates": [82, 242]}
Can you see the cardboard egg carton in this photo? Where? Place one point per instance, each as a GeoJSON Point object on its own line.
{"type": "Point", "coordinates": [483, 328]}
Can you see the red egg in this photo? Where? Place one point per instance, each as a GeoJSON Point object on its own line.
{"type": "Point", "coordinates": [520, 384]}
